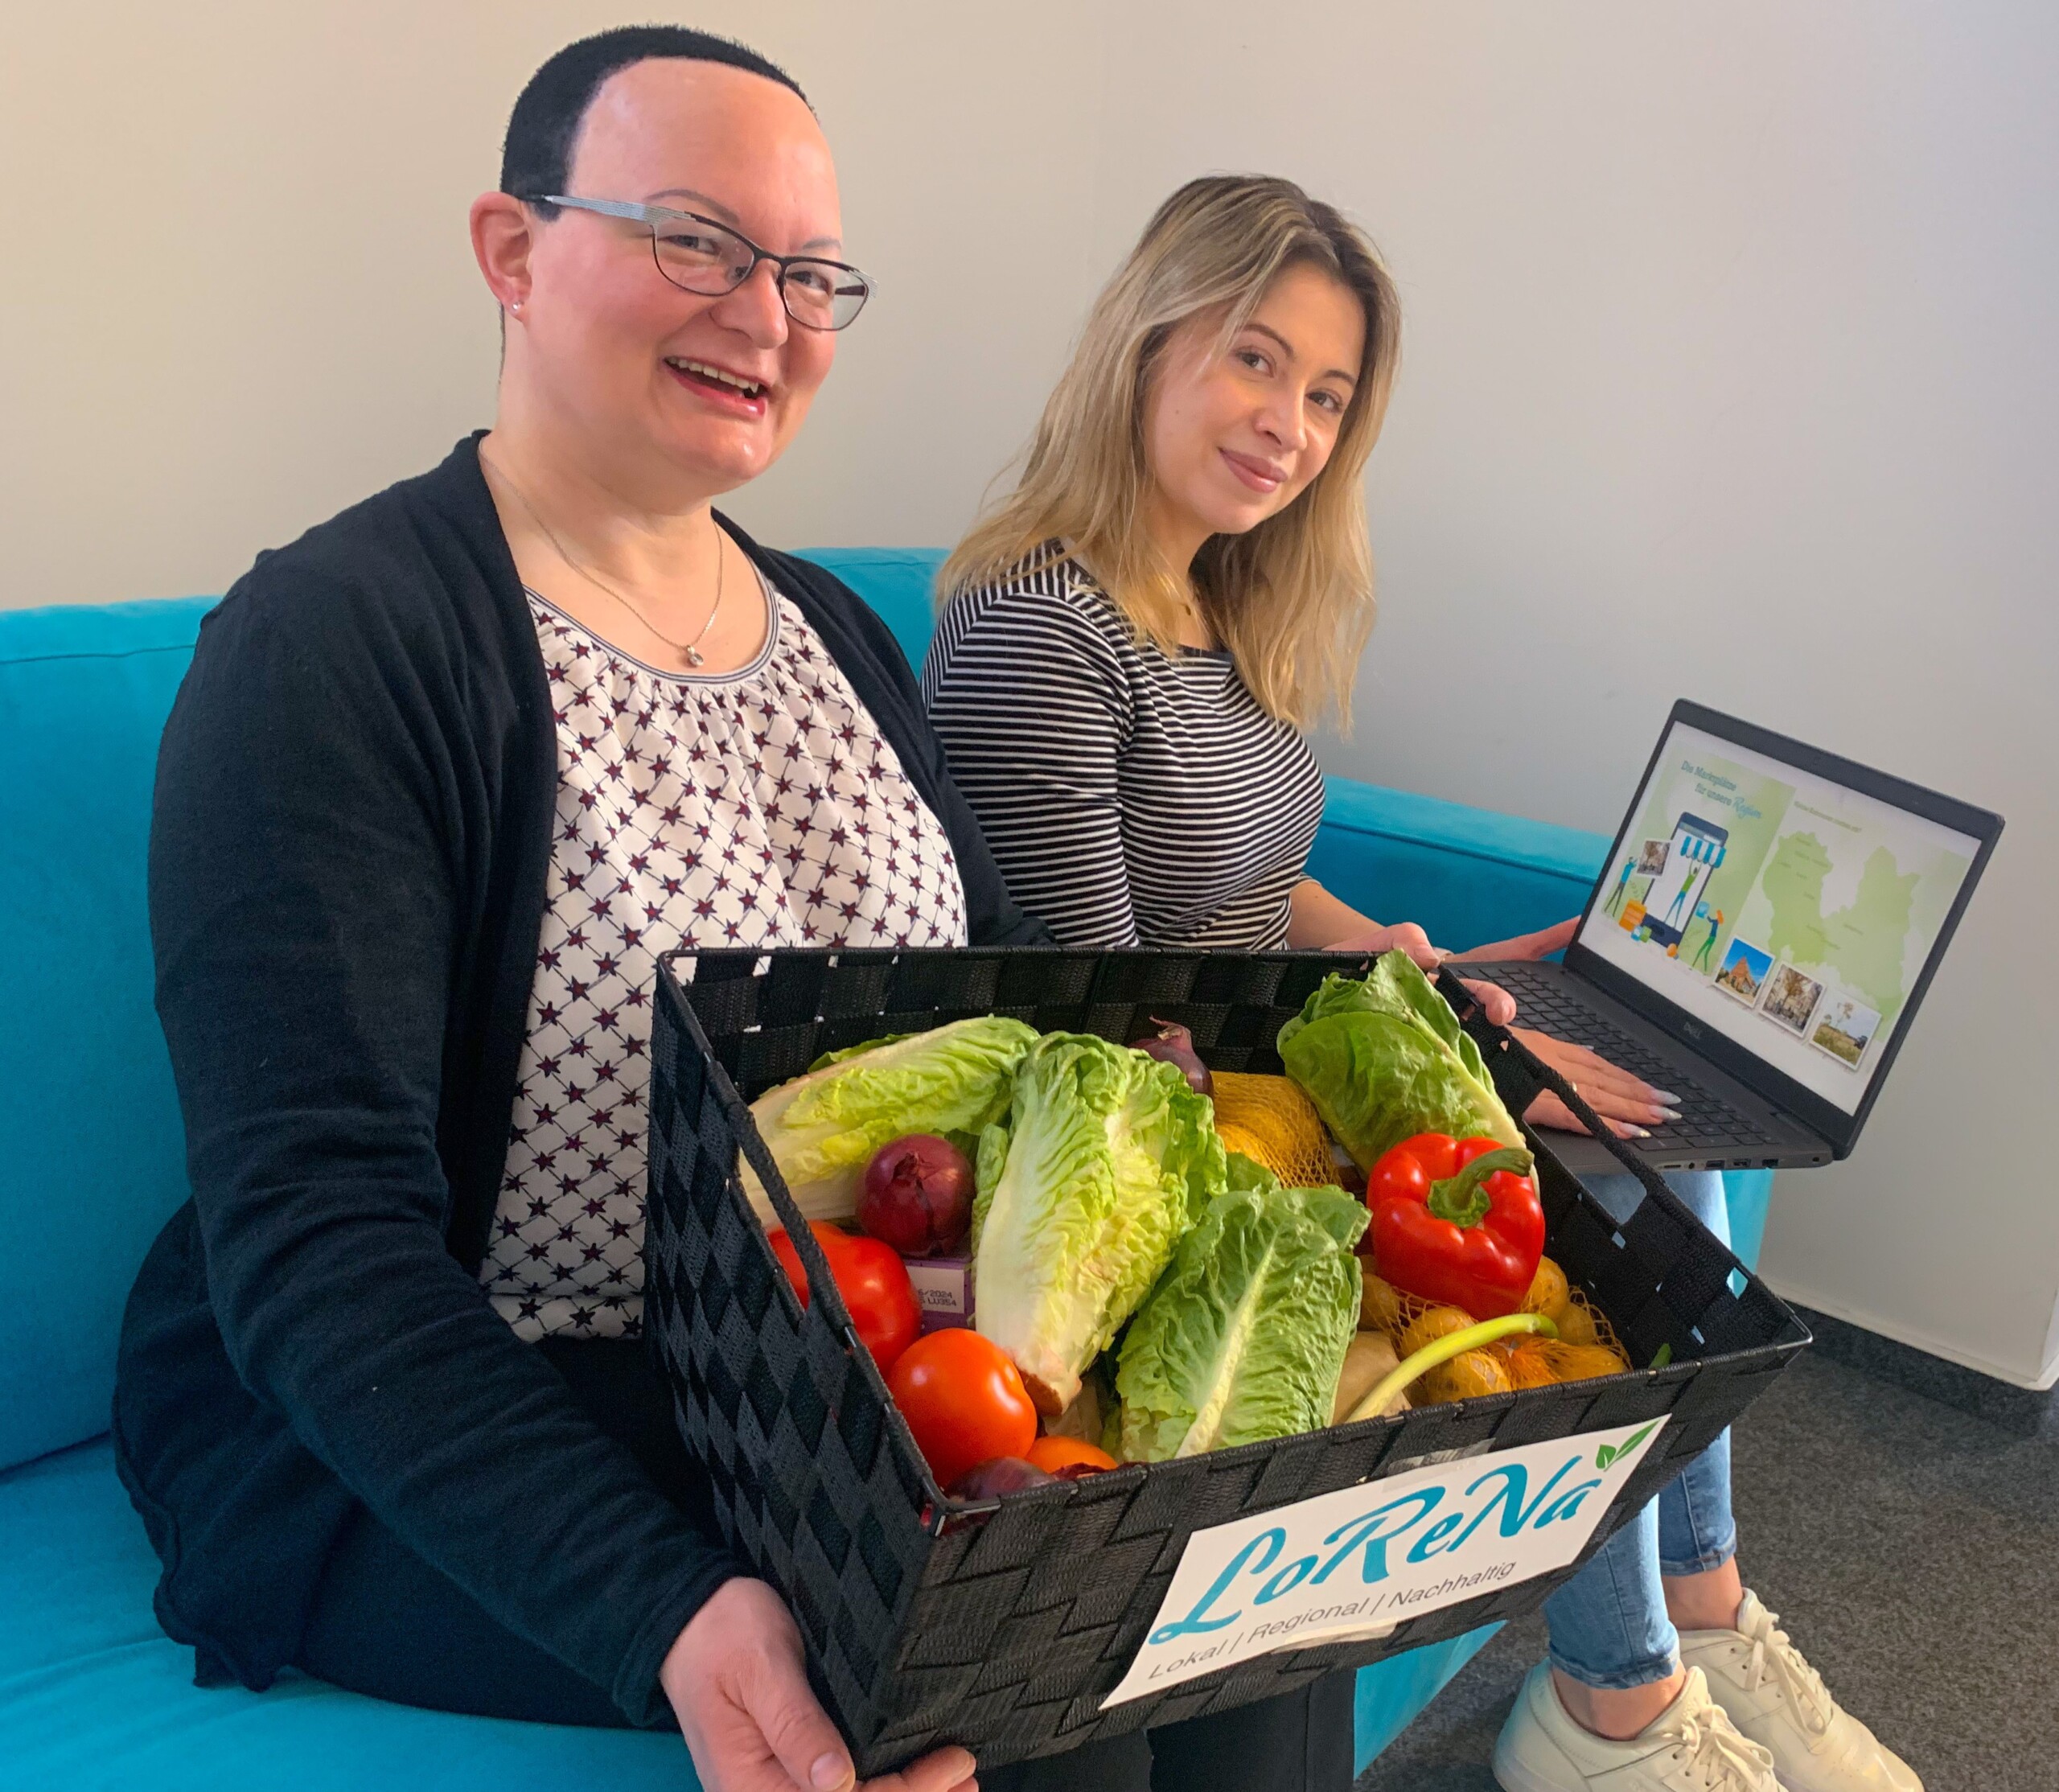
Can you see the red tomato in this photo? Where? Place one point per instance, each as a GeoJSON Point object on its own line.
{"type": "Point", "coordinates": [874, 1282]}
{"type": "Point", "coordinates": [1051, 1454]}
{"type": "Point", "coordinates": [964, 1400]}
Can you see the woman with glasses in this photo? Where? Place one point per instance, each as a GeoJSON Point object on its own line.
{"type": "Point", "coordinates": [448, 777]}
{"type": "Point", "coordinates": [1135, 639]}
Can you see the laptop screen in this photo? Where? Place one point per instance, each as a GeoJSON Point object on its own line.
{"type": "Point", "coordinates": [1790, 913]}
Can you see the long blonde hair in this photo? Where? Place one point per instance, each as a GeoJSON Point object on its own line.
{"type": "Point", "coordinates": [1292, 598]}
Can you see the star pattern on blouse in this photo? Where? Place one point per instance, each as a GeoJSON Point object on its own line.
{"type": "Point", "coordinates": [764, 810]}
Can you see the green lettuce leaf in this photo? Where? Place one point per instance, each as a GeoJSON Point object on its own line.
{"type": "Point", "coordinates": [822, 1128]}
{"type": "Point", "coordinates": [1243, 1337]}
{"type": "Point", "coordinates": [1107, 1158]}
{"type": "Point", "coordinates": [1383, 1057]}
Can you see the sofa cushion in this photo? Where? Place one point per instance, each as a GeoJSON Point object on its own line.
{"type": "Point", "coordinates": [91, 1148]}
{"type": "Point", "coordinates": [92, 1695]}
{"type": "Point", "coordinates": [898, 583]}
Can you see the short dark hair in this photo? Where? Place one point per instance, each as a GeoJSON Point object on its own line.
{"type": "Point", "coordinates": [536, 157]}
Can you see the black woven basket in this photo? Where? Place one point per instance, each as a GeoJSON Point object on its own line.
{"type": "Point", "coordinates": [1003, 1627]}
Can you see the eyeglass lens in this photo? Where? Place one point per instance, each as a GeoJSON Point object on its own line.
{"type": "Point", "coordinates": [705, 258]}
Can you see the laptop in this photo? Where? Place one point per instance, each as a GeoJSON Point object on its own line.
{"type": "Point", "coordinates": [1758, 942]}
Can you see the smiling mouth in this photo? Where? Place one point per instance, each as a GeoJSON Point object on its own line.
{"type": "Point", "coordinates": [706, 374]}
{"type": "Point", "coordinates": [1254, 473]}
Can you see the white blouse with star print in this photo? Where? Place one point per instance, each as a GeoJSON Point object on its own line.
{"type": "Point", "coordinates": [758, 807]}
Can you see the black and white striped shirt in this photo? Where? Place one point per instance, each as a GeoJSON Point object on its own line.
{"type": "Point", "coordinates": [1131, 797]}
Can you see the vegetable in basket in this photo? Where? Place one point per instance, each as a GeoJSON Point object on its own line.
{"type": "Point", "coordinates": [1244, 1338]}
{"type": "Point", "coordinates": [1383, 1057]}
{"type": "Point", "coordinates": [1106, 1157]}
{"type": "Point", "coordinates": [1457, 1221]}
{"type": "Point", "coordinates": [874, 1282]}
{"type": "Point", "coordinates": [1450, 1358]}
{"type": "Point", "coordinates": [916, 1194]}
{"type": "Point", "coordinates": [964, 1402]}
{"type": "Point", "coordinates": [1269, 1120]}
{"type": "Point", "coordinates": [824, 1127]}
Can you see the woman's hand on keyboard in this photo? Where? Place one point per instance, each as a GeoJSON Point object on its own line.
{"type": "Point", "coordinates": [1630, 1105]}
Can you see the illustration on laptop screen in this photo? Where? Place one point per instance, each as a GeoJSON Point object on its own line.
{"type": "Point", "coordinates": [1792, 914]}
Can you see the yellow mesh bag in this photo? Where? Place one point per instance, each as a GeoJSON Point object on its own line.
{"type": "Point", "coordinates": [1384, 1308]}
{"type": "Point", "coordinates": [1272, 1122]}
{"type": "Point", "coordinates": [1579, 1321]}
{"type": "Point", "coordinates": [1583, 1326]}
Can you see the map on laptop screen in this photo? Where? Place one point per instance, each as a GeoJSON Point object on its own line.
{"type": "Point", "coordinates": [1792, 914]}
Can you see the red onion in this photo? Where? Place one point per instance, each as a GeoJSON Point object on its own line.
{"type": "Point", "coordinates": [1172, 1044]}
{"type": "Point", "coordinates": [999, 1475]}
{"type": "Point", "coordinates": [917, 1195]}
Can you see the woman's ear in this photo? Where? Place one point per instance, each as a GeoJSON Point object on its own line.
{"type": "Point", "coordinates": [503, 233]}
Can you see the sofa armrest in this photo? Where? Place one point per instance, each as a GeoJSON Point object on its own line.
{"type": "Point", "coordinates": [1467, 875]}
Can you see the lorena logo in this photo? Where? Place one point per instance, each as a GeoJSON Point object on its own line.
{"type": "Point", "coordinates": [1357, 1562]}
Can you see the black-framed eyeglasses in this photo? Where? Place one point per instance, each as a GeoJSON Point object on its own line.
{"type": "Point", "coordinates": [699, 255]}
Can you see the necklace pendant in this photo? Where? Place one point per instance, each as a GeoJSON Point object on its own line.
{"type": "Point", "coordinates": [693, 656]}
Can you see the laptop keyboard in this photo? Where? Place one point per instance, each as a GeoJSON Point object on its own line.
{"type": "Point", "coordinates": [1549, 1004]}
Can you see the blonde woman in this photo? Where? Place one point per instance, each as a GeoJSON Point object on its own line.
{"type": "Point", "coordinates": [1134, 641]}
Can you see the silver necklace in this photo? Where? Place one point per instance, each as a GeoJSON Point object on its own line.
{"type": "Point", "coordinates": [690, 651]}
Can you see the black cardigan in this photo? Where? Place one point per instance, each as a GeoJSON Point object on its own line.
{"type": "Point", "coordinates": [348, 851]}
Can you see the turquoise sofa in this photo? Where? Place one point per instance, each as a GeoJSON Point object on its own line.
{"type": "Point", "coordinates": [92, 1694]}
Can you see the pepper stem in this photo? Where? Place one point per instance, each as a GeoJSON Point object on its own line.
{"type": "Point", "coordinates": [1463, 1198]}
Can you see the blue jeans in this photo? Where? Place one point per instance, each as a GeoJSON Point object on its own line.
{"type": "Point", "coordinates": [1608, 1624]}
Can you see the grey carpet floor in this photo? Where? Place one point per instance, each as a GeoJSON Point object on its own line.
{"type": "Point", "coordinates": [1911, 1549]}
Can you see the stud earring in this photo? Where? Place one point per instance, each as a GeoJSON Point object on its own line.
{"type": "Point", "coordinates": [516, 305]}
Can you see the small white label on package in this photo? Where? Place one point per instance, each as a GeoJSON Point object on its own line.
{"type": "Point", "coordinates": [943, 1290]}
{"type": "Point", "coordinates": [1357, 1562]}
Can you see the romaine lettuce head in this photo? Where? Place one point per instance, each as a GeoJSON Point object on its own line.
{"type": "Point", "coordinates": [1107, 1158]}
{"type": "Point", "coordinates": [1243, 1337]}
{"type": "Point", "coordinates": [822, 1128]}
{"type": "Point", "coordinates": [1383, 1058]}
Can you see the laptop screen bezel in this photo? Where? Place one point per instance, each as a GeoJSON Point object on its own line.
{"type": "Point", "coordinates": [1840, 1129]}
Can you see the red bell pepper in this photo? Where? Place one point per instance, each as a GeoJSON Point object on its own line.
{"type": "Point", "coordinates": [1456, 1221]}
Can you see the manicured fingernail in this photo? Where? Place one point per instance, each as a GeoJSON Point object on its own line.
{"type": "Point", "coordinates": [1670, 1113]}
{"type": "Point", "coordinates": [1630, 1132]}
{"type": "Point", "coordinates": [829, 1772]}
{"type": "Point", "coordinates": [1666, 1095]}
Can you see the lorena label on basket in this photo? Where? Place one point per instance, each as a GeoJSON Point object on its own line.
{"type": "Point", "coordinates": [1357, 1562]}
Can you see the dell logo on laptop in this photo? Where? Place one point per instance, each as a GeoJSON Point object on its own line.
{"type": "Point", "coordinates": [1692, 1030]}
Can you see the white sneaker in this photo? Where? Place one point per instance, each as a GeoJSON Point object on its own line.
{"type": "Point", "coordinates": [1691, 1746]}
{"type": "Point", "coordinates": [1779, 1701]}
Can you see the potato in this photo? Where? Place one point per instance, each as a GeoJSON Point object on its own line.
{"type": "Point", "coordinates": [1379, 1304]}
{"type": "Point", "coordinates": [1544, 1362]}
{"type": "Point", "coordinates": [1549, 1291]}
{"type": "Point", "coordinates": [1467, 1376]}
{"type": "Point", "coordinates": [1427, 1327]}
{"type": "Point", "coordinates": [1584, 1362]}
{"type": "Point", "coordinates": [1576, 1324]}
{"type": "Point", "coordinates": [1369, 1356]}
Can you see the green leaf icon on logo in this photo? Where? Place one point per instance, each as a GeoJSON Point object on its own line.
{"type": "Point", "coordinates": [1609, 1452]}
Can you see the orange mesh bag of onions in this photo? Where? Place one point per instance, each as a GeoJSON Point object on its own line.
{"type": "Point", "coordinates": [1271, 1122]}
